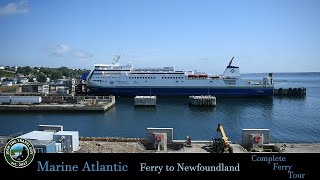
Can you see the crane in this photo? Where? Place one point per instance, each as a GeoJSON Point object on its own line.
{"type": "Point", "coordinates": [222, 144]}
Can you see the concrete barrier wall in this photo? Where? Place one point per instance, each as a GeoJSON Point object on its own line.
{"type": "Point", "coordinates": [151, 131]}
{"type": "Point", "coordinates": [246, 136]}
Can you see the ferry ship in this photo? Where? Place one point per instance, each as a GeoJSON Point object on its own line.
{"type": "Point", "coordinates": [125, 80]}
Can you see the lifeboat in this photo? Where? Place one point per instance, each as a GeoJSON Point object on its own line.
{"type": "Point", "coordinates": [193, 75]}
{"type": "Point", "coordinates": [203, 75]}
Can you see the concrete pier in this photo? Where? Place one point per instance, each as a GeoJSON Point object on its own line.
{"type": "Point", "coordinates": [295, 92]}
{"type": "Point", "coordinates": [87, 104]}
{"type": "Point", "coordinates": [145, 100]}
{"type": "Point", "coordinates": [57, 107]}
{"type": "Point", "coordinates": [202, 100]}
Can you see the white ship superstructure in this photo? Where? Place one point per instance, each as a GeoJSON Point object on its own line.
{"type": "Point", "coordinates": [125, 80]}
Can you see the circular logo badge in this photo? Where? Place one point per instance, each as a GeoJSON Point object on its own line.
{"type": "Point", "coordinates": [19, 152]}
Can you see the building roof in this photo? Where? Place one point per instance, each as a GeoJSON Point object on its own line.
{"type": "Point", "coordinates": [67, 133]}
{"type": "Point", "coordinates": [38, 135]}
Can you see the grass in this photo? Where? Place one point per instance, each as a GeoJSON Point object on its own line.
{"type": "Point", "coordinates": [4, 73]}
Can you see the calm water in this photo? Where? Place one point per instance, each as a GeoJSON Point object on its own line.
{"type": "Point", "coordinates": [289, 119]}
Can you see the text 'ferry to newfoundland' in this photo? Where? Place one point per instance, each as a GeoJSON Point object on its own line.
{"type": "Point", "coordinates": [125, 80]}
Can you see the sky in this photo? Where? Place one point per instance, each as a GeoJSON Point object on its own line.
{"type": "Point", "coordinates": [261, 35]}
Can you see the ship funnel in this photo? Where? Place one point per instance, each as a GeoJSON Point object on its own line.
{"type": "Point", "coordinates": [231, 71]}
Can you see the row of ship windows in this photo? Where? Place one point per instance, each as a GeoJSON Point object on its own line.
{"type": "Point", "coordinates": [144, 77]}
{"type": "Point", "coordinates": [107, 81]}
{"type": "Point", "coordinates": [141, 77]}
{"type": "Point", "coordinates": [155, 77]}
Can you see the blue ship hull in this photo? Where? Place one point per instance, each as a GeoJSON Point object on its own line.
{"type": "Point", "coordinates": [230, 91]}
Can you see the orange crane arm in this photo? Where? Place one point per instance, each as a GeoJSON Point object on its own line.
{"type": "Point", "coordinates": [223, 134]}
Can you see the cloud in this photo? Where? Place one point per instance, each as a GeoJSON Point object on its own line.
{"type": "Point", "coordinates": [64, 50]}
{"type": "Point", "coordinates": [14, 8]}
{"type": "Point", "coordinates": [82, 54]}
{"type": "Point", "coordinates": [59, 50]}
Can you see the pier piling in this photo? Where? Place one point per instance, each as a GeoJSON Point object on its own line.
{"type": "Point", "coordinates": [293, 92]}
{"type": "Point", "coordinates": [202, 100]}
{"type": "Point", "coordinates": [145, 100]}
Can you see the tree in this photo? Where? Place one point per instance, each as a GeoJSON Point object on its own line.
{"type": "Point", "coordinates": [45, 70]}
{"type": "Point", "coordinates": [65, 71]}
{"type": "Point", "coordinates": [24, 70]}
{"type": "Point", "coordinates": [27, 70]}
{"type": "Point", "coordinates": [19, 70]}
{"type": "Point", "coordinates": [56, 75]}
{"type": "Point", "coordinates": [41, 78]}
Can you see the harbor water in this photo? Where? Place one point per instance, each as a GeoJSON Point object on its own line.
{"type": "Point", "coordinates": [290, 119]}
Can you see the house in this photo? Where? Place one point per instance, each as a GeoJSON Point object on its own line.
{"type": "Point", "coordinates": [23, 80]}
{"type": "Point", "coordinates": [52, 139]}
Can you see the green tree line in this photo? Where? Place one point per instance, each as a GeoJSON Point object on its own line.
{"type": "Point", "coordinates": [41, 73]}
